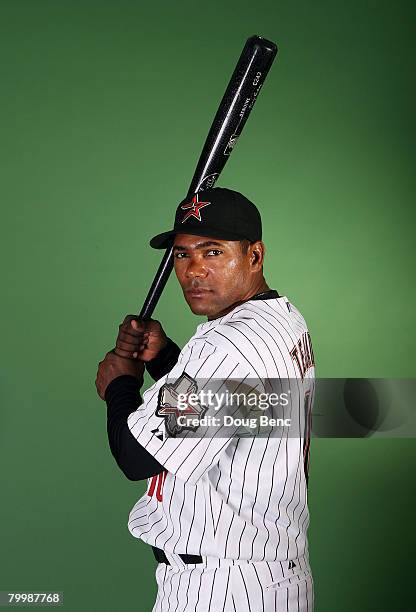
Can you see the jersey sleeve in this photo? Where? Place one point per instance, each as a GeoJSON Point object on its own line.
{"type": "Point", "coordinates": [154, 424]}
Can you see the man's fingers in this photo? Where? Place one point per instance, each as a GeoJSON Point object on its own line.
{"type": "Point", "coordinates": [129, 339]}
{"type": "Point", "coordinates": [132, 323]}
{"type": "Point", "coordinates": [128, 329]}
{"type": "Point", "coordinates": [123, 354]}
{"type": "Point", "coordinates": [135, 336]}
{"type": "Point", "coordinates": [128, 350]}
{"type": "Point", "coordinates": [131, 342]}
{"type": "Point", "coordinates": [124, 335]}
{"type": "Point", "coordinates": [129, 318]}
{"type": "Point", "coordinates": [128, 346]}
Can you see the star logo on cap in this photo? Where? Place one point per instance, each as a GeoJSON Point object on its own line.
{"type": "Point", "coordinates": [193, 208]}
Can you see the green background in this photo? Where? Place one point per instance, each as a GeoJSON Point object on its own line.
{"type": "Point", "coordinates": [105, 107]}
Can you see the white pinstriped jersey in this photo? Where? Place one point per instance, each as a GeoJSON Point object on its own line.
{"type": "Point", "coordinates": [237, 498]}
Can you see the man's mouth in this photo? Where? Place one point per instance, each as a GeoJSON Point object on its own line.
{"type": "Point", "coordinates": [197, 292]}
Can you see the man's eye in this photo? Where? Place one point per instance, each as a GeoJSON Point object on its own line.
{"type": "Point", "coordinates": [215, 251]}
{"type": "Point", "coordinates": [180, 255]}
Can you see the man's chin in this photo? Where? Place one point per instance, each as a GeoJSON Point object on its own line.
{"type": "Point", "coordinates": [198, 307]}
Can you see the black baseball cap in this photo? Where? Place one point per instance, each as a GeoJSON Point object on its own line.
{"type": "Point", "coordinates": [217, 212]}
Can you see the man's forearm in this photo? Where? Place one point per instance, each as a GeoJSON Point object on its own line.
{"type": "Point", "coordinates": [122, 397]}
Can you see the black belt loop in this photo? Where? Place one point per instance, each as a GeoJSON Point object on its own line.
{"type": "Point", "coordinates": [162, 558]}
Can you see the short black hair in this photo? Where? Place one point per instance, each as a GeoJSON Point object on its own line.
{"type": "Point", "coordinates": [245, 243]}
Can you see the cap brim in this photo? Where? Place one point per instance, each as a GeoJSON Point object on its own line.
{"type": "Point", "coordinates": [165, 240]}
{"type": "Point", "coordinates": [162, 241]}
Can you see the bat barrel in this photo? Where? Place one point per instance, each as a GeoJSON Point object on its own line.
{"type": "Point", "coordinates": [246, 81]}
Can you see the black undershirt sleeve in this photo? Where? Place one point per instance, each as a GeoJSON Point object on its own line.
{"type": "Point", "coordinates": [165, 360]}
{"type": "Point", "coordinates": [122, 397]}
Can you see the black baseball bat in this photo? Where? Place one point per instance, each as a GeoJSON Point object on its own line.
{"type": "Point", "coordinates": [238, 100]}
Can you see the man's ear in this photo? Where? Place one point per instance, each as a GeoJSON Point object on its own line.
{"type": "Point", "coordinates": [257, 254]}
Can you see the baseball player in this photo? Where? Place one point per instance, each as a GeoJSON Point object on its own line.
{"type": "Point", "coordinates": [226, 513]}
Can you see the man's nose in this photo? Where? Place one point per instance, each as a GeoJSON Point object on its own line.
{"type": "Point", "coordinates": [196, 268]}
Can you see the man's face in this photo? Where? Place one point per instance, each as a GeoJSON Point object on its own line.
{"type": "Point", "coordinates": [213, 273]}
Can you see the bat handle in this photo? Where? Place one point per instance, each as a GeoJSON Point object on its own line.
{"type": "Point", "coordinates": [159, 282]}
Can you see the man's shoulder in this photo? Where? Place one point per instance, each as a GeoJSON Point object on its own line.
{"type": "Point", "coordinates": [216, 340]}
{"type": "Point", "coordinates": [249, 333]}
{"type": "Point", "coordinates": [264, 316]}
{"type": "Point", "coordinates": [210, 340]}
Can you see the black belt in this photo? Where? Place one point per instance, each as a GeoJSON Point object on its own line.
{"type": "Point", "coordinates": [162, 558]}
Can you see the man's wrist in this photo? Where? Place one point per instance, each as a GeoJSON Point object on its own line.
{"type": "Point", "coordinates": [165, 349]}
